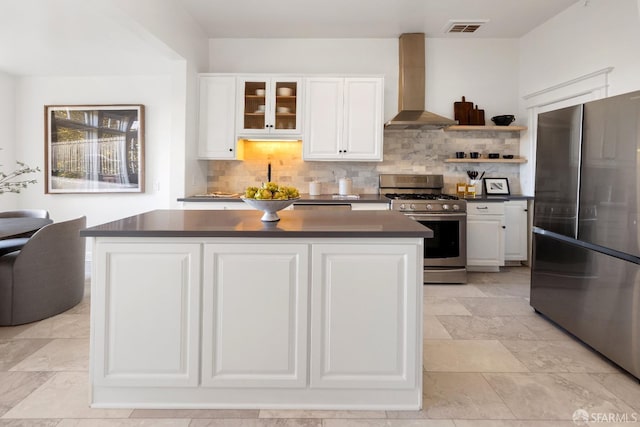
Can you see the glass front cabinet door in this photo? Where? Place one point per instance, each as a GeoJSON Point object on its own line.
{"type": "Point", "coordinates": [269, 106]}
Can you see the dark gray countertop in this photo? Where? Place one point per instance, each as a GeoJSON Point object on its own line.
{"type": "Point", "coordinates": [483, 198]}
{"type": "Point", "coordinates": [304, 199]}
{"type": "Point", "coordinates": [236, 223]}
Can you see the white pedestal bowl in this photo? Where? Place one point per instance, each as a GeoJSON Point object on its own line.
{"type": "Point", "coordinates": [269, 207]}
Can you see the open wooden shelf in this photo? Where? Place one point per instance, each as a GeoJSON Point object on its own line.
{"type": "Point", "coordinates": [466, 160]}
{"type": "Point", "coordinates": [487, 128]}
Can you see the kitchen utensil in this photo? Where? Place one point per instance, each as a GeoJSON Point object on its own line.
{"type": "Point", "coordinates": [494, 155]}
{"type": "Point", "coordinates": [260, 92]}
{"type": "Point", "coordinates": [283, 109]}
{"type": "Point", "coordinates": [504, 120]}
{"type": "Point", "coordinates": [476, 117]}
{"type": "Point", "coordinates": [507, 156]}
{"type": "Point", "coordinates": [460, 155]}
{"type": "Point", "coordinates": [261, 109]}
{"type": "Point", "coordinates": [481, 176]}
{"type": "Point", "coordinates": [474, 155]}
{"type": "Point", "coordinates": [472, 174]}
{"type": "Point", "coordinates": [462, 111]}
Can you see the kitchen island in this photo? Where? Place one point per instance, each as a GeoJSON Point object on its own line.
{"type": "Point", "coordinates": [216, 309]}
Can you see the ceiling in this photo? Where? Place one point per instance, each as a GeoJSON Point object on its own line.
{"type": "Point", "coordinates": [368, 18]}
{"type": "Point", "coordinates": [80, 37]}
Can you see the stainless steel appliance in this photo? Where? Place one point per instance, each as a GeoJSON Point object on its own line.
{"type": "Point", "coordinates": [420, 198]}
{"type": "Point", "coordinates": [586, 240]}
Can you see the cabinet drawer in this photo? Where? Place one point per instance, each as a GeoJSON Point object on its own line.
{"type": "Point", "coordinates": [485, 208]}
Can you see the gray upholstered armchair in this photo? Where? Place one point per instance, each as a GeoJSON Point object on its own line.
{"type": "Point", "coordinates": [45, 277]}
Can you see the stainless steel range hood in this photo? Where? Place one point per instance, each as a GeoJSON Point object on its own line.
{"type": "Point", "coordinates": [411, 89]}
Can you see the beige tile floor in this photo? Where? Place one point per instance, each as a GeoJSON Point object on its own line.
{"type": "Point", "coordinates": [489, 361]}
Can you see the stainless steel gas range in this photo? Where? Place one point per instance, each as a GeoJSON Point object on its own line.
{"type": "Point", "coordinates": [420, 198]}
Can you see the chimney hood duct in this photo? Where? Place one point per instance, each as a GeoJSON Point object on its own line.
{"type": "Point", "coordinates": [411, 88]}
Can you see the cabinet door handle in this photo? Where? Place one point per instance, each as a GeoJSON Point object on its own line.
{"type": "Point", "coordinates": [230, 149]}
{"type": "Point", "coordinates": [526, 210]}
{"type": "Point", "coordinates": [484, 208]}
{"type": "Point", "coordinates": [504, 226]}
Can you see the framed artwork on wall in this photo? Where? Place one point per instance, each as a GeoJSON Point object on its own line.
{"type": "Point", "coordinates": [496, 186]}
{"type": "Point", "coordinates": [94, 148]}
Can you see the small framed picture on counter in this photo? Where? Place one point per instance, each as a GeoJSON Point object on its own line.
{"type": "Point", "coordinates": [496, 186]}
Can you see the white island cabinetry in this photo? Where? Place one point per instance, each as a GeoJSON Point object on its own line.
{"type": "Point", "coordinates": [182, 320]}
{"type": "Point", "coordinates": [149, 293]}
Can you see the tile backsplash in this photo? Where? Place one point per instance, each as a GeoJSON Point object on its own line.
{"type": "Point", "coordinates": [405, 151]}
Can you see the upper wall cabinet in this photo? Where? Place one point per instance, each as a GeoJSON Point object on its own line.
{"type": "Point", "coordinates": [269, 106]}
{"type": "Point", "coordinates": [217, 136]}
{"type": "Point", "coordinates": [343, 118]}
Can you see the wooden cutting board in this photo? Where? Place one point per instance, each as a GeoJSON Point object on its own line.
{"type": "Point", "coordinates": [476, 117]}
{"type": "Point", "coordinates": [462, 111]}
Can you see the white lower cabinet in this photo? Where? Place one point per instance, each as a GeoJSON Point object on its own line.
{"type": "Point", "coordinates": [516, 235]}
{"type": "Point", "coordinates": [368, 345]}
{"type": "Point", "coordinates": [147, 325]}
{"type": "Point", "coordinates": [275, 323]}
{"type": "Point", "coordinates": [254, 315]}
{"type": "Point", "coordinates": [485, 235]}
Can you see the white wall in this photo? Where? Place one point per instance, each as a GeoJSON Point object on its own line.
{"type": "Point", "coordinates": [585, 38]}
{"type": "Point", "coordinates": [483, 70]}
{"type": "Point", "coordinates": [7, 135]}
{"type": "Point", "coordinates": [169, 26]}
{"type": "Point", "coordinates": [154, 91]}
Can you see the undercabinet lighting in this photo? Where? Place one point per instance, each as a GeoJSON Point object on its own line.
{"type": "Point", "coordinates": [273, 140]}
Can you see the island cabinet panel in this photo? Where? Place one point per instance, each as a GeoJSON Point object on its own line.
{"type": "Point", "coordinates": [255, 315]}
{"type": "Point", "coordinates": [369, 344]}
{"type": "Point", "coordinates": [135, 345]}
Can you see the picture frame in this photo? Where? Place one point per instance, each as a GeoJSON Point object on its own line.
{"type": "Point", "coordinates": [496, 186]}
{"type": "Point", "coordinates": [94, 148]}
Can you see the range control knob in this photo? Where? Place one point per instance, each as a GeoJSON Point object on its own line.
{"type": "Point", "coordinates": [445, 207]}
{"type": "Point", "coordinates": [456, 207]}
{"type": "Point", "coordinates": [412, 207]}
{"type": "Point", "coordinates": [429, 207]}
{"type": "Point", "coordinates": [402, 207]}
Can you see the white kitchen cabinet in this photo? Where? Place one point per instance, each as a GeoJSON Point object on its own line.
{"type": "Point", "coordinates": [217, 133]}
{"type": "Point", "coordinates": [255, 315]}
{"type": "Point", "coordinates": [516, 236]}
{"type": "Point", "coordinates": [485, 236]}
{"type": "Point", "coordinates": [219, 322]}
{"type": "Point", "coordinates": [343, 118]}
{"type": "Point", "coordinates": [147, 327]}
{"type": "Point", "coordinates": [269, 106]}
{"type": "Point", "coordinates": [371, 344]}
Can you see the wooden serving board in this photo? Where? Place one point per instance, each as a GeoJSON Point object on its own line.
{"type": "Point", "coordinates": [462, 111]}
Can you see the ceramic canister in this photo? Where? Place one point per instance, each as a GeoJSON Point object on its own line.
{"type": "Point", "coordinates": [314, 188]}
{"type": "Point", "coordinates": [344, 186]}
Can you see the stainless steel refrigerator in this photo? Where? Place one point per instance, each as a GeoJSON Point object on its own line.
{"type": "Point", "coordinates": [586, 241]}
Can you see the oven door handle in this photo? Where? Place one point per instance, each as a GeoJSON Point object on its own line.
{"type": "Point", "coordinates": [437, 217]}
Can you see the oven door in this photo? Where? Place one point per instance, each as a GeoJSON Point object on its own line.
{"type": "Point", "coordinates": [448, 247]}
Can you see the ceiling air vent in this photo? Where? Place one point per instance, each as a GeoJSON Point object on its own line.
{"type": "Point", "coordinates": [464, 26]}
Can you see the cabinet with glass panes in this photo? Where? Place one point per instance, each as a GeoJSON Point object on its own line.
{"type": "Point", "coordinates": [269, 106]}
